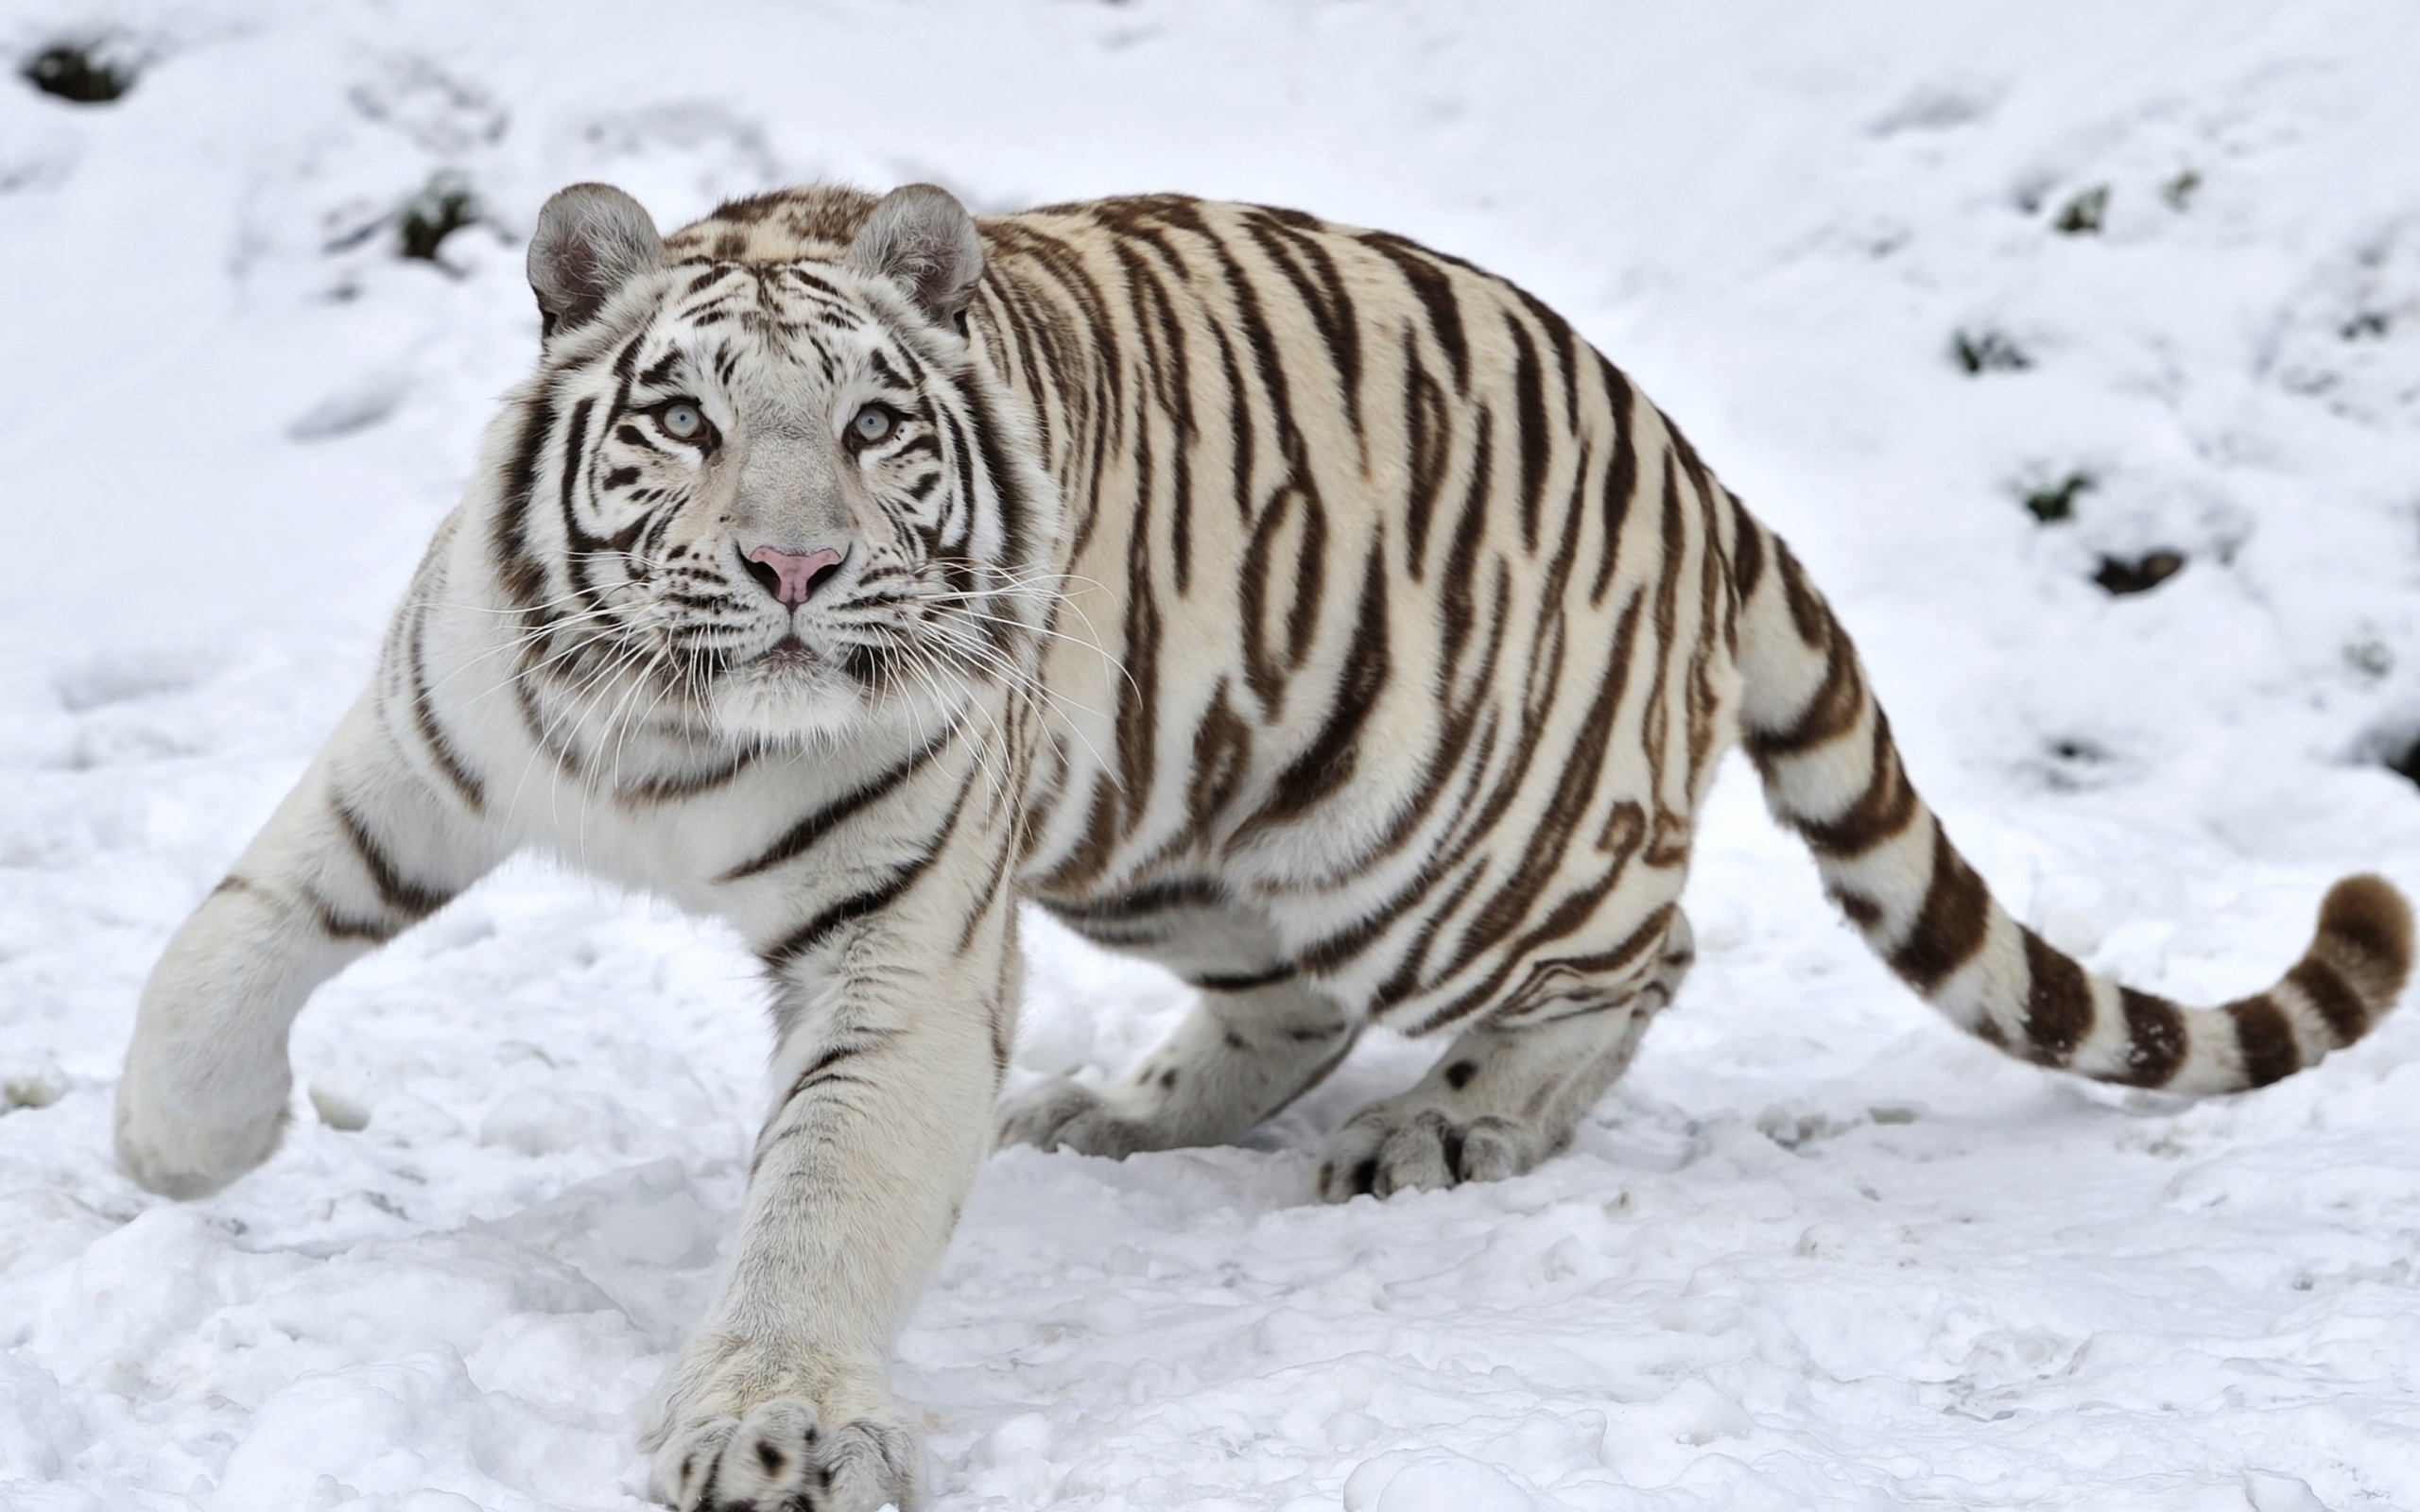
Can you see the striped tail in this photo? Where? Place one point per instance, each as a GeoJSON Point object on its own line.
{"type": "Point", "coordinates": [1832, 774]}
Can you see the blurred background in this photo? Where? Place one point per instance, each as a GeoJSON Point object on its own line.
{"type": "Point", "coordinates": [2075, 348]}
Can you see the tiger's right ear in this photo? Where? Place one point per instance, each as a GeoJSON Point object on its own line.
{"type": "Point", "coordinates": [591, 239]}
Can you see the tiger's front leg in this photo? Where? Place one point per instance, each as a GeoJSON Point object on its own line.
{"type": "Point", "coordinates": [361, 849]}
{"type": "Point", "coordinates": [894, 1019]}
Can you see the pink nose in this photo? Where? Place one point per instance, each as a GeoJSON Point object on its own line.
{"type": "Point", "coordinates": [790, 577]}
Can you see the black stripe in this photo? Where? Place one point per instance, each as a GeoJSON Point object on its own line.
{"type": "Point", "coordinates": [1434, 287]}
{"type": "Point", "coordinates": [523, 578]}
{"type": "Point", "coordinates": [2266, 1040]}
{"type": "Point", "coordinates": [1152, 898]}
{"type": "Point", "coordinates": [1328, 763]}
{"type": "Point", "coordinates": [2155, 1039]}
{"type": "Point", "coordinates": [816, 931]}
{"type": "Point", "coordinates": [1136, 730]}
{"type": "Point", "coordinates": [401, 895]}
{"type": "Point", "coordinates": [1428, 433]}
{"type": "Point", "coordinates": [1950, 929]}
{"type": "Point", "coordinates": [1016, 511]}
{"type": "Point", "coordinates": [1530, 428]}
{"type": "Point", "coordinates": [1881, 813]}
{"type": "Point", "coordinates": [1324, 295]}
{"type": "Point", "coordinates": [425, 719]}
{"type": "Point", "coordinates": [1831, 711]}
{"type": "Point", "coordinates": [2058, 1001]}
{"type": "Point", "coordinates": [667, 786]}
{"type": "Point", "coordinates": [1747, 553]}
{"type": "Point", "coordinates": [809, 832]}
{"type": "Point", "coordinates": [862, 1041]}
{"type": "Point", "coordinates": [825, 925]}
{"type": "Point", "coordinates": [1567, 350]}
{"type": "Point", "coordinates": [2347, 1017]}
{"type": "Point", "coordinates": [1621, 475]}
{"type": "Point", "coordinates": [1243, 981]}
{"type": "Point", "coordinates": [338, 925]}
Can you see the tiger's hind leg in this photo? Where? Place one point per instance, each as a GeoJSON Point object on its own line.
{"type": "Point", "coordinates": [1506, 1095]}
{"type": "Point", "coordinates": [1258, 1038]}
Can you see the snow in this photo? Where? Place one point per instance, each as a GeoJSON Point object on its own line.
{"type": "Point", "coordinates": [1816, 1251]}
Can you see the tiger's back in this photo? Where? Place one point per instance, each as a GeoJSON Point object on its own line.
{"type": "Point", "coordinates": [1372, 621]}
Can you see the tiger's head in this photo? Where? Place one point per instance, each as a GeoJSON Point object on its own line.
{"type": "Point", "coordinates": [765, 474]}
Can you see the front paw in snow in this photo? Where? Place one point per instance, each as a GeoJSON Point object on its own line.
{"type": "Point", "coordinates": [187, 1135]}
{"type": "Point", "coordinates": [783, 1458]}
{"type": "Point", "coordinates": [738, 1433]}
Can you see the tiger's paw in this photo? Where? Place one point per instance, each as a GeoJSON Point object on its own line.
{"type": "Point", "coordinates": [1502, 1098]}
{"type": "Point", "coordinates": [1420, 1143]}
{"type": "Point", "coordinates": [187, 1136]}
{"type": "Point", "coordinates": [1064, 1114]}
{"type": "Point", "coordinates": [781, 1457]}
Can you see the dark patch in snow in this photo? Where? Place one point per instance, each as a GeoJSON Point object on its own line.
{"type": "Point", "coordinates": [2083, 214]}
{"type": "Point", "coordinates": [2369, 658]}
{"type": "Point", "coordinates": [2051, 502]}
{"type": "Point", "coordinates": [2347, 340]}
{"type": "Point", "coordinates": [2119, 577]}
{"type": "Point", "coordinates": [1982, 351]}
{"type": "Point", "coordinates": [80, 73]}
{"type": "Point", "coordinates": [2074, 764]}
{"type": "Point", "coordinates": [442, 207]}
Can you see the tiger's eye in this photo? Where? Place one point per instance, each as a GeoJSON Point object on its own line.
{"type": "Point", "coordinates": [683, 422]}
{"type": "Point", "coordinates": [872, 423]}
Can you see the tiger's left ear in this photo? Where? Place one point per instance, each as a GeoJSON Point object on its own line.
{"type": "Point", "coordinates": [921, 238]}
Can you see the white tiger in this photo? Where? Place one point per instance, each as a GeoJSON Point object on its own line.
{"type": "Point", "coordinates": [1303, 608]}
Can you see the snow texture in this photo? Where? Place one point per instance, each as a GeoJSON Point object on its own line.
{"type": "Point", "coordinates": [1817, 1251]}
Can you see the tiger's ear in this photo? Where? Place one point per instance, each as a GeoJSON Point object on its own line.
{"type": "Point", "coordinates": [921, 238]}
{"type": "Point", "coordinates": [591, 239]}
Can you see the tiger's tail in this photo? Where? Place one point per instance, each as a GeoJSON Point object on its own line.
{"type": "Point", "coordinates": [1832, 774]}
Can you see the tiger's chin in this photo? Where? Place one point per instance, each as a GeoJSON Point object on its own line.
{"type": "Point", "coordinates": [787, 696]}
{"type": "Point", "coordinates": [792, 696]}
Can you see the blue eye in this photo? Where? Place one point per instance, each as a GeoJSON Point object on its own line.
{"type": "Point", "coordinates": [874, 423]}
{"type": "Point", "coordinates": [683, 422]}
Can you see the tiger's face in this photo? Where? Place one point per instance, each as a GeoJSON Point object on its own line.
{"type": "Point", "coordinates": [784, 485]}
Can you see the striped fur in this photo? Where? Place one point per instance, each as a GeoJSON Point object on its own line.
{"type": "Point", "coordinates": [1832, 774]}
{"type": "Point", "coordinates": [1303, 608]}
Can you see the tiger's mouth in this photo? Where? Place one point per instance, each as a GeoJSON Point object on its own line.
{"type": "Point", "coordinates": [789, 654]}
{"type": "Point", "coordinates": [792, 667]}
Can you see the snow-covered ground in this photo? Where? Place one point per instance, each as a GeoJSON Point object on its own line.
{"type": "Point", "coordinates": [1817, 1251]}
